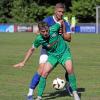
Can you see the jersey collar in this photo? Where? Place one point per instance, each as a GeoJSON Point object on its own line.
{"type": "Point", "coordinates": [54, 19]}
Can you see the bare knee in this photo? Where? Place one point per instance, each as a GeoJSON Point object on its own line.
{"type": "Point", "coordinates": [45, 74]}
{"type": "Point", "coordinates": [69, 67]}
{"type": "Point", "coordinates": [41, 68]}
{"type": "Point", "coordinates": [70, 70]}
{"type": "Point", "coordinates": [47, 70]}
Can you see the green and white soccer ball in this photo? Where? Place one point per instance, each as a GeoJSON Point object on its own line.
{"type": "Point", "coordinates": [58, 83]}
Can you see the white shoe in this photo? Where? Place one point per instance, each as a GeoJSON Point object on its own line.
{"type": "Point", "coordinates": [30, 97]}
{"type": "Point", "coordinates": [39, 98]}
{"type": "Point", "coordinates": [76, 96]}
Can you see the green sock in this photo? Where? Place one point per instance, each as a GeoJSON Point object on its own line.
{"type": "Point", "coordinates": [41, 86]}
{"type": "Point", "coordinates": [72, 81]}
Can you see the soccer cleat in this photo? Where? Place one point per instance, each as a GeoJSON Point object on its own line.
{"type": "Point", "coordinates": [69, 90]}
{"type": "Point", "coordinates": [30, 97]}
{"type": "Point", "coordinates": [39, 98]}
{"type": "Point", "coordinates": [76, 96]}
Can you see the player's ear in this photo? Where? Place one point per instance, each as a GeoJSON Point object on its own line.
{"type": "Point", "coordinates": [55, 11]}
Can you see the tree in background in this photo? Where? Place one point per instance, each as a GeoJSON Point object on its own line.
{"type": "Point", "coordinates": [5, 8]}
{"type": "Point", "coordinates": [30, 11]}
{"type": "Point", "coordinates": [85, 10]}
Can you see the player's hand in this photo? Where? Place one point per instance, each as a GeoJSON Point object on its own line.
{"type": "Point", "coordinates": [19, 65]}
{"type": "Point", "coordinates": [61, 21]}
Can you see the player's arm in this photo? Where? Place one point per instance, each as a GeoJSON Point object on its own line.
{"type": "Point", "coordinates": [26, 57]}
{"type": "Point", "coordinates": [67, 36]}
{"type": "Point", "coordinates": [66, 31]}
{"type": "Point", "coordinates": [28, 54]}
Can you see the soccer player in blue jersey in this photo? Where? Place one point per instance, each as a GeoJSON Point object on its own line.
{"type": "Point", "coordinates": [59, 12]}
{"type": "Point", "coordinates": [51, 20]}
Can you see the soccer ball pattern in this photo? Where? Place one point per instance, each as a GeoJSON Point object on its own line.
{"type": "Point", "coordinates": [58, 83]}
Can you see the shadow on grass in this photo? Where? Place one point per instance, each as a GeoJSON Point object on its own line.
{"type": "Point", "coordinates": [60, 93]}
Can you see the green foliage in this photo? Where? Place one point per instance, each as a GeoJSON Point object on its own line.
{"type": "Point", "coordinates": [85, 10]}
{"type": "Point", "coordinates": [49, 10]}
{"type": "Point", "coordinates": [5, 8]}
{"type": "Point", "coordinates": [30, 11]}
{"type": "Point", "coordinates": [21, 11]}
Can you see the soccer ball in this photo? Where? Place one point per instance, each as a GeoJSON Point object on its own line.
{"type": "Point", "coordinates": [58, 83]}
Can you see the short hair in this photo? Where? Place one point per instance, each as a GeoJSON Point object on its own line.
{"type": "Point", "coordinates": [59, 5]}
{"type": "Point", "coordinates": [43, 25]}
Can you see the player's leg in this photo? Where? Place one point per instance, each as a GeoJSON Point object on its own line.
{"type": "Point", "coordinates": [42, 83]}
{"type": "Point", "coordinates": [47, 69]}
{"type": "Point", "coordinates": [71, 75]}
{"type": "Point", "coordinates": [34, 82]}
{"type": "Point", "coordinates": [36, 77]}
{"type": "Point", "coordinates": [67, 86]}
{"type": "Point", "coordinates": [72, 78]}
{"type": "Point", "coordinates": [66, 60]}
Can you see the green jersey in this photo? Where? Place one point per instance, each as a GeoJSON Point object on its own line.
{"type": "Point", "coordinates": [55, 44]}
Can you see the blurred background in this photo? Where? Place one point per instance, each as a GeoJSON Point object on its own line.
{"type": "Point", "coordinates": [20, 15]}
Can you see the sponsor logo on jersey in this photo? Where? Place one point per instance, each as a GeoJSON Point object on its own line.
{"type": "Point", "coordinates": [54, 34]}
{"type": "Point", "coordinates": [51, 44]}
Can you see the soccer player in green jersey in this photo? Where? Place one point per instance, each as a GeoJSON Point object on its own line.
{"type": "Point", "coordinates": [58, 52]}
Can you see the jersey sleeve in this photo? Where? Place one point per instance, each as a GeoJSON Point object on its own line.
{"type": "Point", "coordinates": [67, 25]}
{"type": "Point", "coordinates": [45, 19]}
{"type": "Point", "coordinates": [36, 43]}
{"type": "Point", "coordinates": [49, 20]}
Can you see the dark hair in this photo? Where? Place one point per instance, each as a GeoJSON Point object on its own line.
{"type": "Point", "coordinates": [42, 25]}
{"type": "Point", "coordinates": [59, 5]}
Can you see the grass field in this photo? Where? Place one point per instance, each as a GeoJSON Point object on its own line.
{"type": "Point", "coordinates": [14, 82]}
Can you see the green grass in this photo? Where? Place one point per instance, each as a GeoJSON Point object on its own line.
{"type": "Point", "coordinates": [14, 82]}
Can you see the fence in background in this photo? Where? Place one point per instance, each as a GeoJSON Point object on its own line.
{"type": "Point", "coordinates": [85, 28]}
{"type": "Point", "coordinates": [79, 28]}
{"type": "Point", "coordinates": [16, 28]}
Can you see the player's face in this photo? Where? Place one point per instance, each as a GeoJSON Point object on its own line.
{"type": "Point", "coordinates": [59, 12]}
{"type": "Point", "coordinates": [44, 33]}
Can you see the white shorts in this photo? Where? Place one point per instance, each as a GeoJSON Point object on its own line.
{"type": "Point", "coordinates": [43, 58]}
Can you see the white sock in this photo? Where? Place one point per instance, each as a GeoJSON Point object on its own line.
{"type": "Point", "coordinates": [30, 92]}
{"type": "Point", "coordinates": [75, 94]}
{"type": "Point", "coordinates": [39, 97]}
